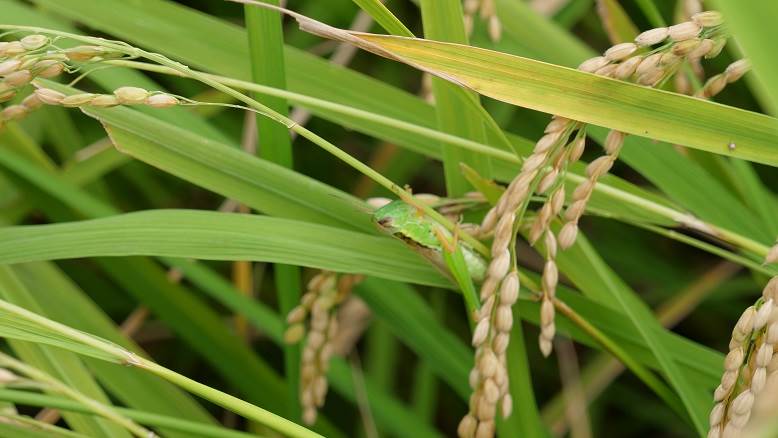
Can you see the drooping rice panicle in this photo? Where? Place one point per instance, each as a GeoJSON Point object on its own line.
{"type": "Point", "coordinates": [636, 61]}
{"type": "Point", "coordinates": [747, 364]}
{"type": "Point", "coordinates": [316, 319]}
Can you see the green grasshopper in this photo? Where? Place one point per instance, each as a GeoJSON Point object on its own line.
{"type": "Point", "coordinates": [427, 237]}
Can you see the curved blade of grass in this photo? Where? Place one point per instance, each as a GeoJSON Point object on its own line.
{"type": "Point", "coordinates": [232, 173]}
{"type": "Point", "coordinates": [616, 22]}
{"type": "Point", "coordinates": [455, 261]}
{"type": "Point", "coordinates": [192, 234]}
{"type": "Point", "coordinates": [756, 195]}
{"type": "Point", "coordinates": [701, 194]}
{"type": "Point", "coordinates": [592, 99]}
{"type": "Point", "coordinates": [530, 30]}
{"type": "Point", "coordinates": [701, 365]}
{"type": "Point", "coordinates": [266, 47]}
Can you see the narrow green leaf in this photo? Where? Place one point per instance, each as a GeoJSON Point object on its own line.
{"type": "Point", "coordinates": [695, 399]}
{"type": "Point", "coordinates": [380, 361]}
{"type": "Point", "coordinates": [533, 32]}
{"type": "Point", "coordinates": [757, 197]}
{"type": "Point", "coordinates": [424, 396]}
{"type": "Point", "coordinates": [266, 47]}
{"type": "Point", "coordinates": [189, 233]}
{"type": "Point", "coordinates": [455, 261]}
{"type": "Point", "coordinates": [616, 22]}
{"type": "Point", "coordinates": [652, 13]}
{"type": "Point", "coordinates": [280, 191]}
{"type": "Point", "coordinates": [384, 17]}
{"type": "Point", "coordinates": [455, 107]}
{"type": "Point", "coordinates": [487, 187]}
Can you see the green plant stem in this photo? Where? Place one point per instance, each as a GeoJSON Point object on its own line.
{"type": "Point", "coordinates": [147, 418]}
{"type": "Point", "coordinates": [713, 249]}
{"type": "Point", "coordinates": [122, 356]}
{"type": "Point", "coordinates": [303, 99]}
{"type": "Point", "coordinates": [227, 401]}
{"type": "Point", "coordinates": [691, 241]}
{"type": "Point", "coordinates": [57, 386]}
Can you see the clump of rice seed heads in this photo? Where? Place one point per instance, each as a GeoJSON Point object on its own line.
{"type": "Point", "coordinates": [33, 57]}
{"type": "Point", "coordinates": [747, 365]}
{"type": "Point", "coordinates": [120, 96]}
{"type": "Point", "coordinates": [487, 11]}
{"type": "Point", "coordinates": [489, 376]}
{"type": "Point", "coordinates": [732, 73]}
{"type": "Point", "coordinates": [319, 308]}
{"type": "Point", "coordinates": [653, 57]}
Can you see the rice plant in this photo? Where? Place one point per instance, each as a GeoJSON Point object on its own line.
{"type": "Point", "coordinates": [420, 218]}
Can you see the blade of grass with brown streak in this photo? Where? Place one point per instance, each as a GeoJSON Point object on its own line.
{"type": "Point", "coordinates": [683, 180]}
{"type": "Point", "coordinates": [592, 99]}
